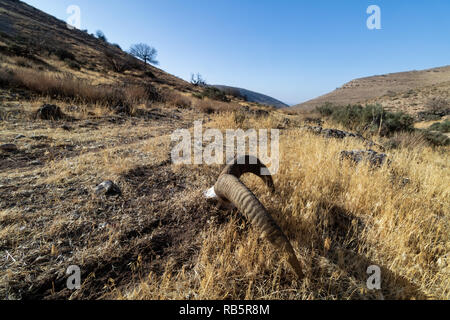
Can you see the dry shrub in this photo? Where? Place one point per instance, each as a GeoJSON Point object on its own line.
{"type": "Point", "coordinates": [175, 99]}
{"type": "Point", "coordinates": [408, 140]}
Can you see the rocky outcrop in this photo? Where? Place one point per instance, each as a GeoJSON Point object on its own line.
{"type": "Point", "coordinates": [374, 158]}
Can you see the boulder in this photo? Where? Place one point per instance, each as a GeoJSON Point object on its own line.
{"type": "Point", "coordinates": [374, 158]}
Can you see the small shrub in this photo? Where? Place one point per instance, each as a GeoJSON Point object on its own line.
{"type": "Point", "coordinates": [214, 94]}
{"type": "Point", "coordinates": [240, 117]}
{"type": "Point", "coordinates": [391, 93]}
{"type": "Point", "coordinates": [234, 92]}
{"type": "Point", "coordinates": [436, 139]}
{"type": "Point", "coordinates": [175, 99]}
{"type": "Point", "coordinates": [438, 106]}
{"type": "Point", "coordinates": [326, 110]}
{"type": "Point", "coordinates": [101, 36]}
{"type": "Point", "coordinates": [24, 63]}
{"type": "Point", "coordinates": [63, 54]}
{"type": "Point", "coordinates": [6, 78]}
{"type": "Point", "coordinates": [197, 95]}
{"type": "Point", "coordinates": [443, 127]}
{"type": "Point", "coordinates": [73, 65]}
{"type": "Point", "coordinates": [209, 107]}
{"type": "Point", "coordinates": [372, 118]}
{"type": "Point", "coordinates": [409, 93]}
{"type": "Point", "coordinates": [407, 140]}
{"type": "Point", "coordinates": [18, 50]}
{"type": "Point", "coordinates": [397, 121]}
{"type": "Point", "coordinates": [149, 74]}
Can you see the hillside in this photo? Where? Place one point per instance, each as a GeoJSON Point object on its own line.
{"type": "Point", "coordinates": [410, 92]}
{"type": "Point", "coordinates": [253, 96]}
{"type": "Point", "coordinates": [88, 179]}
{"type": "Point", "coordinates": [31, 32]}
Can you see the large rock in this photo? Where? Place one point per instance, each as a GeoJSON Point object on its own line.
{"type": "Point", "coordinates": [374, 158]}
{"type": "Point", "coordinates": [50, 112]}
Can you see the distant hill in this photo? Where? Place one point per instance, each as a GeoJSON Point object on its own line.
{"type": "Point", "coordinates": [252, 96]}
{"type": "Point", "coordinates": [410, 92]}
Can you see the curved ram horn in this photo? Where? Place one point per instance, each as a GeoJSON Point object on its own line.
{"type": "Point", "coordinates": [230, 189]}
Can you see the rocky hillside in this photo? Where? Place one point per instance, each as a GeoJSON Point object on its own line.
{"type": "Point", "coordinates": [411, 92]}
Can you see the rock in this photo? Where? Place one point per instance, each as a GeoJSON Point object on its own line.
{"type": "Point", "coordinates": [108, 188]}
{"type": "Point", "coordinates": [50, 112]}
{"type": "Point", "coordinates": [340, 134]}
{"type": "Point", "coordinates": [122, 109]}
{"type": "Point", "coordinates": [8, 147]}
{"type": "Point", "coordinates": [35, 163]}
{"type": "Point", "coordinates": [19, 136]}
{"type": "Point", "coordinates": [66, 127]}
{"type": "Point", "coordinates": [335, 133]}
{"type": "Point", "coordinates": [39, 138]}
{"type": "Point", "coordinates": [374, 158]}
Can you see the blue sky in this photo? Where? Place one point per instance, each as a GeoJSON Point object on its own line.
{"type": "Point", "coordinates": [293, 50]}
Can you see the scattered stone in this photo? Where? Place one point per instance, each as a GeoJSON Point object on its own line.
{"type": "Point", "coordinates": [8, 147]}
{"type": "Point", "coordinates": [66, 127]}
{"type": "Point", "coordinates": [19, 136]}
{"type": "Point", "coordinates": [50, 112]}
{"type": "Point", "coordinates": [374, 158]}
{"type": "Point", "coordinates": [108, 188]}
{"type": "Point", "coordinates": [39, 138]}
{"type": "Point", "coordinates": [35, 163]}
{"type": "Point", "coordinates": [339, 134]}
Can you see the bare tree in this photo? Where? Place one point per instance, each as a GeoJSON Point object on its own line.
{"type": "Point", "coordinates": [100, 35]}
{"type": "Point", "coordinates": [197, 80]}
{"type": "Point", "coordinates": [145, 53]}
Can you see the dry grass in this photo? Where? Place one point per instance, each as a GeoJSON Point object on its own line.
{"type": "Point", "coordinates": [341, 220]}
{"type": "Point", "coordinates": [66, 87]}
{"type": "Point", "coordinates": [175, 99]}
{"type": "Point", "coordinates": [212, 106]}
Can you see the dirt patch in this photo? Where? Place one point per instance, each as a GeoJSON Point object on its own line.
{"type": "Point", "coordinates": [147, 227]}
